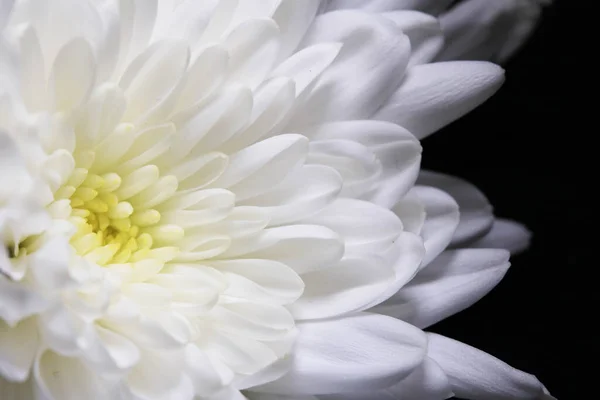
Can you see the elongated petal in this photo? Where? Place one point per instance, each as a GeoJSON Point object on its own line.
{"type": "Point", "coordinates": [484, 30]}
{"type": "Point", "coordinates": [505, 234]}
{"type": "Point", "coordinates": [18, 348]}
{"type": "Point", "coordinates": [374, 56]}
{"type": "Point", "coordinates": [429, 6]}
{"type": "Point", "coordinates": [397, 150]}
{"type": "Point", "coordinates": [476, 375]}
{"type": "Point", "coordinates": [451, 283]}
{"type": "Point", "coordinates": [360, 352]}
{"type": "Point", "coordinates": [427, 382]}
{"type": "Point", "coordinates": [433, 95]}
{"type": "Point", "coordinates": [423, 31]}
{"type": "Point", "coordinates": [476, 213]}
{"type": "Point", "coordinates": [441, 220]}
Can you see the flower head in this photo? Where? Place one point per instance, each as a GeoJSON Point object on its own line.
{"type": "Point", "coordinates": [198, 198]}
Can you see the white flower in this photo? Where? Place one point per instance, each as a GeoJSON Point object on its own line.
{"type": "Point", "coordinates": [199, 198]}
{"type": "Point", "coordinates": [492, 30]}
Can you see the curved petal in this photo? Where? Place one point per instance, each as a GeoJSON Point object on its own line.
{"type": "Point", "coordinates": [433, 95]}
{"type": "Point", "coordinates": [427, 382]}
{"type": "Point", "coordinates": [441, 220]}
{"type": "Point", "coordinates": [429, 6]}
{"type": "Point", "coordinates": [484, 30]}
{"type": "Point", "coordinates": [397, 150]}
{"type": "Point", "coordinates": [476, 213]}
{"type": "Point", "coordinates": [505, 234]}
{"type": "Point", "coordinates": [373, 57]}
{"type": "Point", "coordinates": [423, 31]}
{"type": "Point", "coordinates": [18, 348]}
{"type": "Point", "coordinates": [344, 288]}
{"type": "Point", "coordinates": [476, 375]}
{"type": "Point", "coordinates": [359, 352]}
{"type": "Point", "coordinates": [454, 281]}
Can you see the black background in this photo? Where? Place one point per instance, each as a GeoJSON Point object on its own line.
{"type": "Point", "coordinates": [515, 149]}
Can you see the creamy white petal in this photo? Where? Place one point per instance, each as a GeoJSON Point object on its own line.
{"type": "Point", "coordinates": [73, 74]}
{"type": "Point", "coordinates": [374, 56]}
{"type": "Point", "coordinates": [359, 352]}
{"type": "Point", "coordinates": [18, 348]}
{"type": "Point", "coordinates": [476, 375]}
{"type": "Point", "coordinates": [294, 18]}
{"type": "Point", "coordinates": [15, 175]}
{"type": "Point", "coordinates": [454, 281]}
{"type": "Point", "coordinates": [442, 218]}
{"type": "Point", "coordinates": [476, 213]}
{"type": "Point", "coordinates": [423, 31]}
{"type": "Point", "coordinates": [504, 234]}
{"type": "Point", "coordinates": [433, 95]}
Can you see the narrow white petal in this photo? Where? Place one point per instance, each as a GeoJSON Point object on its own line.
{"type": "Point", "coordinates": [294, 18]}
{"type": "Point", "coordinates": [360, 352]}
{"type": "Point", "coordinates": [433, 95]}
{"type": "Point", "coordinates": [14, 172]}
{"type": "Point", "coordinates": [476, 375]}
{"type": "Point", "coordinates": [427, 382]}
{"type": "Point", "coordinates": [423, 31]}
{"type": "Point", "coordinates": [73, 75]}
{"type": "Point", "coordinates": [441, 220]}
{"type": "Point", "coordinates": [476, 213]}
{"type": "Point", "coordinates": [452, 282]}
{"type": "Point", "coordinates": [429, 6]}
{"type": "Point", "coordinates": [374, 56]}
{"type": "Point", "coordinates": [505, 234]}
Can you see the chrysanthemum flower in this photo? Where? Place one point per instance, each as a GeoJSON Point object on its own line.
{"type": "Point", "coordinates": [202, 199]}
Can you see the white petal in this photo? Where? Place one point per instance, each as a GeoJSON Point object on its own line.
{"type": "Point", "coordinates": [73, 75]}
{"type": "Point", "coordinates": [373, 57]}
{"type": "Point", "coordinates": [272, 103]}
{"type": "Point", "coordinates": [253, 47]}
{"type": "Point", "coordinates": [476, 375]}
{"type": "Point", "coordinates": [18, 302]}
{"type": "Point", "coordinates": [365, 227]}
{"type": "Point", "coordinates": [397, 150]}
{"type": "Point", "coordinates": [56, 376]}
{"type": "Point", "coordinates": [505, 234]}
{"type": "Point", "coordinates": [359, 167]}
{"type": "Point", "coordinates": [302, 247]}
{"type": "Point", "coordinates": [5, 10]}
{"type": "Point", "coordinates": [305, 192]}
{"type": "Point", "coordinates": [343, 288]}
{"type": "Point", "coordinates": [476, 213]}
{"type": "Point", "coordinates": [152, 78]}
{"type": "Point", "coordinates": [33, 70]}
{"type": "Point", "coordinates": [137, 19]}
{"type": "Point", "coordinates": [294, 18]}
{"type": "Point", "coordinates": [360, 352]}
{"type": "Point", "coordinates": [429, 6]}
{"type": "Point", "coordinates": [305, 66]}
{"type": "Point", "coordinates": [480, 30]}
{"type": "Point", "coordinates": [15, 178]}
{"type": "Point", "coordinates": [433, 95]}
{"type": "Point", "coordinates": [427, 382]}
{"type": "Point", "coordinates": [254, 169]}
{"type": "Point", "coordinates": [101, 115]}
{"type": "Point", "coordinates": [442, 217]}
{"type": "Point", "coordinates": [423, 31]}
{"type": "Point", "coordinates": [262, 279]}
{"type": "Point", "coordinates": [452, 282]}
{"type": "Point", "coordinates": [18, 348]}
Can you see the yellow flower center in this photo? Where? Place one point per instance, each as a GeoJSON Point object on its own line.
{"type": "Point", "coordinates": [109, 229]}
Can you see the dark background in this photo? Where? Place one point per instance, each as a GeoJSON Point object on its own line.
{"type": "Point", "coordinates": [515, 149]}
